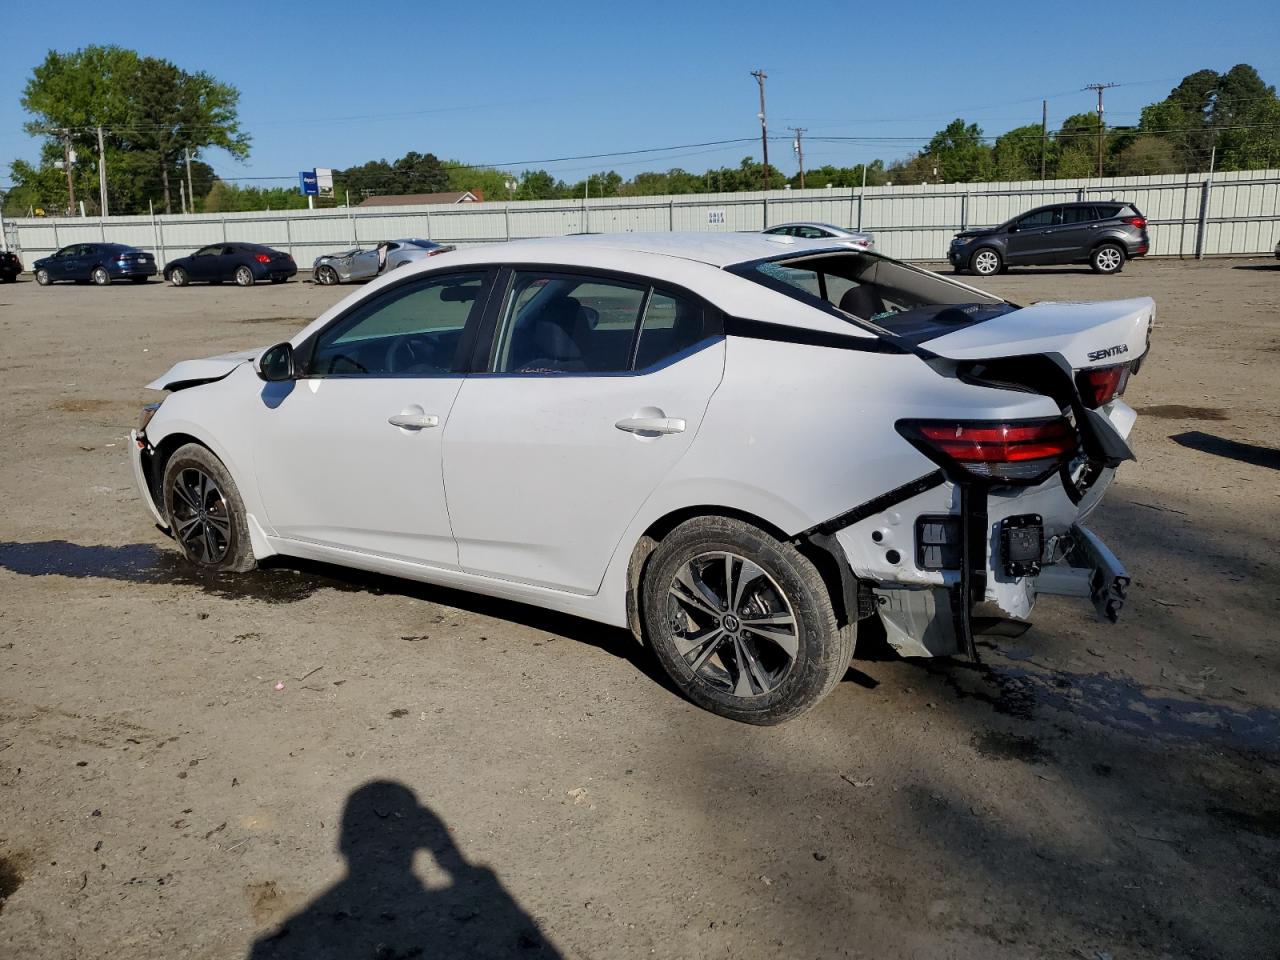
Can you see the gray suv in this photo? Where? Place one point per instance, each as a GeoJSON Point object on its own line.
{"type": "Point", "coordinates": [1101, 233]}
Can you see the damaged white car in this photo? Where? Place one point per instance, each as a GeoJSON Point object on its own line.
{"type": "Point", "coordinates": [737, 446]}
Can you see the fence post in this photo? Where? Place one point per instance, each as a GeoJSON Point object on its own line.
{"type": "Point", "coordinates": [765, 201]}
{"type": "Point", "coordinates": [288, 233]}
{"type": "Point", "coordinates": [859, 211]}
{"type": "Point", "coordinates": [4, 234]}
{"type": "Point", "coordinates": [964, 211]}
{"type": "Point", "coordinates": [224, 230]}
{"type": "Point", "coordinates": [428, 213]}
{"type": "Point", "coordinates": [671, 215]}
{"type": "Point", "coordinates": [1204, 218]}
{"type": "Point", "coordinates": [56, 244]}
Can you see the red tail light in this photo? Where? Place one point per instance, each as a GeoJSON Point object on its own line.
{"type": "Point", "coordinates": [1019, 451]}
{"type": "Point", "coordinates": [1102, 384]}
{"type": "Point", "coordinates": [1136, 221]}
{"type": "Point", "coordinates": [262, 258]}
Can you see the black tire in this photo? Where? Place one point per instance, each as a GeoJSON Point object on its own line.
{"type": "Point", "coordinates": [215, 537]}
{"type": "Point", "coordinates": [986, 262]}
{"type": "Point", "coordinates": [100, 277]}
{"type": "Point", "coordinates": [8, 278]}
{"type": "Point", "coordinates": [138, 279]}
{"type": "Point", "coordinates": [244, 277]}
{"type": "Point", "coordinates": [179, 277]}
{"type": "Point", "coordinates": [43, 278]}
{"type": "Point", "coordinates": [778, 686]}
{"type": "Point", "coordinates": [1107, 259]}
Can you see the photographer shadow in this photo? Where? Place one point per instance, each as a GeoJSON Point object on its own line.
{"type": "Point", "coordinates": [382, 911]}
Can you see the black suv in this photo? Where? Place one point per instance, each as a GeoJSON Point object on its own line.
{"type": "Point", "coordinates": [1101, 233]}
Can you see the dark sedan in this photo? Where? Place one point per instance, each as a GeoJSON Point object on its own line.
{"type": "Point", "coordinates": [99, 262]}
{"type": "Point", "coordinates": [242, 263]}
{"type": "Point", "coordinates": [10, 266]}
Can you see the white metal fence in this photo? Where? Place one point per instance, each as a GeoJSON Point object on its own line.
{"type": "Point", "coordinates": [1188, 215]}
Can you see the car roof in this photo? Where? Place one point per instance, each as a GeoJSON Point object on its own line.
{"type": "Point", "coordinates": [715, 249]}
{"type": "Point", "coordinates": [812, 223]}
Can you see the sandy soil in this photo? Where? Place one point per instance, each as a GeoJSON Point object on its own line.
{"type": "Point", "coordinates": [444, 775]}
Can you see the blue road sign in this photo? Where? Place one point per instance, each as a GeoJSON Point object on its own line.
{"type": "Point", "coordinates": [307, 184]}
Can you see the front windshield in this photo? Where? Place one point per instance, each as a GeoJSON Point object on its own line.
{"type": "Point", "coordinates": [879, 293]}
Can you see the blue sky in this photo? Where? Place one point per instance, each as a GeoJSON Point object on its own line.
{"type": "Point", "coordinates": [334, 84]}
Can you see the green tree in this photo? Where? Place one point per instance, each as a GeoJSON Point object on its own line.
{"type": "Point", "coordinates": [1016, 154]}
{"type": "Point", "coordinates": [150, 111]}
{"type": "Point", "coordinates": [959, 153]}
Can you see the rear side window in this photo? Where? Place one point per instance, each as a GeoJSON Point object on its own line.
{"type": "Point", "coordinates": [1079, 214]}
{"type": "Point", "coordinates": [671, 324]}
{"type": "Point", "coordinates": [1108, 210]}
{"type": "Point", "coordinates": [557, 323]}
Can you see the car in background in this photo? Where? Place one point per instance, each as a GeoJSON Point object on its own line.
{"type": "Point", "coordinates": [856, 239]}
{"type": "Point", "coordinates": [243, 263]}
{"type": "Point", "coordinates": [100, 263]}
{"type": "Point", "coordinates": [10, 266]}
{"type": "Point", "coordinates": [1101, 233]}
{"type": "Point", "coordinates": [675, 433]}
{"type": "Point", "coordinates": [361, 263]}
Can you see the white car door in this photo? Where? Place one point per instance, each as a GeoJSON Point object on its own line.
{"type": "Point", "coordinates": [594, 388]}
{"type": "Point", "coordinates": [348, 455]}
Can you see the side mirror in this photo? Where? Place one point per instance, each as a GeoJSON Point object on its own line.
{"type": "Point", "coordinates": [1013, 228]}
{"type": "Point", "coordinates": [276, 363]}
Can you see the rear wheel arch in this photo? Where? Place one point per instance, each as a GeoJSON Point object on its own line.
{"type": "Point", "coordinates": [824, 553]}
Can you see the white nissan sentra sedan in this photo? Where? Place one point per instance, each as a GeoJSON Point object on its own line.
{"type": "Point", "coordinates": [738, 446]}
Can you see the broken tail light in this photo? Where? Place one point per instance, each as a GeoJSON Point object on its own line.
{"type": "Point", "coordinates": [1101, 385]}
{"type": "Point", "coordinates": [1016, 451]}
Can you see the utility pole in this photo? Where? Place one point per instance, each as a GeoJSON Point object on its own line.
{"type": "Point", "coordinates": [191, 193]}
{"type": "Point", "coordinates": [68, 160]}
{"type": "Point", "coordinates": [1044, 133]}
{"type": "Point", "coordinates": [799, 148]}
{"type": "Point", "coordinates": [761, 76]}
{"type": "Point", "coordinates": [1101, 125]}
{"type": "Point", "coordinates": [102, 176]}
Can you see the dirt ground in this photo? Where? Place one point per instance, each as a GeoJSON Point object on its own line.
{"type": "Point", "coordinates": [444, 775]}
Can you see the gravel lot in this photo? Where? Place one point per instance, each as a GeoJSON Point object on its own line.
{"type": "Point", "coordinates": [444, 775]}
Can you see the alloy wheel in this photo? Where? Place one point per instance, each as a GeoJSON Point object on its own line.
{"type": "Point", "coordinates": [986, 262]}
{"type": "Point", "coordinates": [43, 278]}
{"type": "Point", "coordinates": [201, 520]}
{"type": "Point", "coordinates": [100, 276]}
{"type": "Point", "coordinates": [732, 624]}
{"type": "Point", "coordinates": [1109, 259]}
{"type": "Point", "coordinates": [244, 276]}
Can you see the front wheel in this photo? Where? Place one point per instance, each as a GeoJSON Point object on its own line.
{"type": "Point", "coordinates": [1108, 258]}
{"type": "Point", "coordinates": [206, 515]}
{"type": "Point", "coordinates": [100, 276]}
{"type": "Point", "coordinates": [244, 276]}
{"type": "Point", "coordinates": [986, 262]}
{"type": "Point", "coordinates": [178, 277]}
{"type": "Point", "coordinates": [741, 622]}
{"type": "Point", "coordinates": [43, 278]}
{"type": "Point", "coordinates": [326, 275]}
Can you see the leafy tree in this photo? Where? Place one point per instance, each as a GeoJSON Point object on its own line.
{"type": "Point", "coordinates": [1144, 156]}
{"type": "Point", "coordinates": [1016, 154]}
{"type": "Point", "coordinates": [959, 153]}
{"type": "Point", "coordinates": [150, 112]}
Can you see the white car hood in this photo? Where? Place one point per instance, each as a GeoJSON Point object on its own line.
{"type": "Point", "coordinates": [1086, 334]}
{"type": "Point", "coordinates": [191, 372]}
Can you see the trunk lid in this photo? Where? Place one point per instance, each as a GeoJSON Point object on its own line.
{"type": "Point", "coordinates": [1085, 334]}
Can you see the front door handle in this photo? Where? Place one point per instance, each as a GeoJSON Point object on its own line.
{"type": "Point", "coordinates": [651, 425]}
{"type": "Point", "coordinates": [414, 421]}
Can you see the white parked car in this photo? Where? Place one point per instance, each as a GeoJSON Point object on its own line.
{"type": "Point", "coordinates": [810, 230]}
{"type": "Point", "coordinates": [738, 446]}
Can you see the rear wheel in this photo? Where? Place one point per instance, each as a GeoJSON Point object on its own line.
{"type": "Point", "coordinates": [43, 278]}
{"type": "Point", "coordinates": [244, 276]}
{"type": "Point", "coordinates": [986, 262]}
{"type": "Point", "coordinates": [100, 276]}
{"type": "Point", "coordinates": [178, 277]}
{"type": "Point", "coordinates": [326, 275]}
{"type": "Point", "coordinates": [741, 622]}
{"type": "Point", "coordinates": [206, 515]}
{"type": "Point", "coordinates": [1108, 258]}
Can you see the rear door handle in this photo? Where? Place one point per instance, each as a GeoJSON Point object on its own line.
{"type": "Point", "coordinates": [654, 425]}
{"type": "Point", "coordinates": [414, 421]}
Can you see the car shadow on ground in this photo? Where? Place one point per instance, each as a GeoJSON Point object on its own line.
{"type": "Point", "coordinates": [289, 580]}
{"type": "Point", "coordinates": [1257, 266]}
{"type": "Point", "coordinates": [1252, 453]}
{"type": "Point", "coordinates": [381, 909]}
